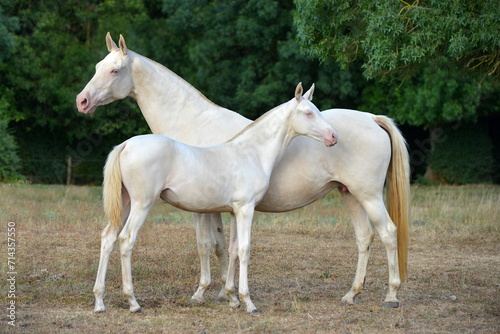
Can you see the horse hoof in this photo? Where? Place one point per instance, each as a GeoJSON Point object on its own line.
{"type": "Point", "coordinates": [99, 311]}
{"type": "Point", "coordinates": [139, 310]}
{"type": "Point", "coordinates": [390, 305]}
{"type": "Point", "coordinates": [254, 311]}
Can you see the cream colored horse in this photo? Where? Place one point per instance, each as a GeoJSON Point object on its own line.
{"type": "Point", "coordinates": [370, 151]}
{"type": "Point", "coordinates": [230, 177]}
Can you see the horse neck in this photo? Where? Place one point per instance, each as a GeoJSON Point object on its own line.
{"type": "Point", "coordinates": [268, 137]}
{"type": "Point", "coordinates": [171, 105]}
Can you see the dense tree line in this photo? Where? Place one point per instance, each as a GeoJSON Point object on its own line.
{"type": "Point", "coordinates": [245, 55]}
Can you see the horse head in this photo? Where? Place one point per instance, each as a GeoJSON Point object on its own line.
{"type": "Point", "coordinates": [307, 119]}
{"type": "Point", "coordinates": [113, 79]}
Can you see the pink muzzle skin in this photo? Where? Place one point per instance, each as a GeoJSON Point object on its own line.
{"type": "Point", "coordinates": [83, 104]}
{"type": "Point", "coordinates": [330, 138]}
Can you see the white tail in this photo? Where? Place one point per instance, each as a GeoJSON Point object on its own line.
{"type": "Point", "coordinates": [398, 189]}
{"type": "Point", "coordinates": [112, 188]}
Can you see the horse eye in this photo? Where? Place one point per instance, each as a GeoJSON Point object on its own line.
{"type": "Point", "coordinates": [309, 113]}
{"type": "Point", "coordinates": [115, 71]}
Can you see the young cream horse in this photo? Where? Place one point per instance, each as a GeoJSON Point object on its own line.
{"type": "Point", "coordinates": [371, 151]}
{"type": "Point", "coordinates": [230, 177]}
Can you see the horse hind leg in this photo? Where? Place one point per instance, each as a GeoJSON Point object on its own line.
{"type": "Point", "coordinates": [230, 288]}
{"type": "Point", "coordinates": [210, 231]}
{"type": "Point", "coordinates": [221, 252]}
{"type": "Point", "coordinates": [387, 232]}
{"type": "Point", "coordinates": [364, 236]}
{"type": "Point", "coordinates": [204, 241]}
{"type": "Point", "coordinates": [127, 237]}
{"type": "Point", "coordinates": [108, 239]}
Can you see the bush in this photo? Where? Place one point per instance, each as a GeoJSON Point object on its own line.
{"type": "Point", "coordinates": [463, 154]}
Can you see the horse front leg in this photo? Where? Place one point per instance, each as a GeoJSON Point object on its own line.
{"type": "Point", "coordinates": [127, 237]}
{"type": "Point", "coordinates": [204, 241]}
{"type": "Point", "coordinates": [244, 218]}
{"type": "Point", "coordinates": [364, 236]}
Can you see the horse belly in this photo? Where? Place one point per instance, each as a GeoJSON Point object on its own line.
{"type": "Point", "coordinates": [196, 200]}
{"type": "Point", "coordinates": [289, 191]}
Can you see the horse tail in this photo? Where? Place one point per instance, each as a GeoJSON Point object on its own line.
{"type": "Point", "coordinates": [112, 188]}
{"type": "Point", "coordinates": [398, 189]}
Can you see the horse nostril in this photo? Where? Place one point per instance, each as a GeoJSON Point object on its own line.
{"type": "Point", "coordinates": [334, 139]}
{"type": "Point", "coordinates": [84, 102]}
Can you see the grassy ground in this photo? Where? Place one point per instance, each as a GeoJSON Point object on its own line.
{"type": "Point", "coordinates": [302, 263]}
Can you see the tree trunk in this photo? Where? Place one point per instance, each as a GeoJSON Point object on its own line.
{"type": "Point", "coordinates": [435, 135]}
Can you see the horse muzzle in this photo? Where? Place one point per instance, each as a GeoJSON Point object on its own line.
{"type": "Point", "coordinates": [330, 138]}
{"type": "Point", "coordinates": [83, 103]}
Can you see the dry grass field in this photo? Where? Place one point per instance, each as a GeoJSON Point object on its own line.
{"type": "Point", "coordinates": [302, 263]}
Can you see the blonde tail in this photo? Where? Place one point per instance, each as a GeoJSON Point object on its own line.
{"type": "Point", "coordinates": [112, 188]}
{"type": "Point", "coordinates": [398, 190]}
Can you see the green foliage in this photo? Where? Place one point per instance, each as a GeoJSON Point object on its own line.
{"type": "Point", "coordinates": [51, 63]}
{"type": "Point", "coordinates": [463, 155]}
{"type": "Point", "coordinates": [395, 36]}
{"type": "Point", "coordinates": [8, 25]}
{"type": "Point", "coordinates": [9, 160]}
{"type": "Point", "coordinates": [243, 55]}
{"type": "Point", "coordinates": [435, 95]}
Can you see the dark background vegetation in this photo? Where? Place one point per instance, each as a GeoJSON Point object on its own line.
{"type": "Point", "coordinates": [433, 66]}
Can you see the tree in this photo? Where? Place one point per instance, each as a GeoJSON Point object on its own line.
{"type": "Point", "coordinates": [8, 25]}
{"type": "Point", "coordinates": [439, 62]}
{"type": "Point", "coordinates": [53, 58]}
{"type": "Point", "coordinates": [435, 95]}
{"type": "Point", "coordinates": [9, 160]}
{"type": "Point", "coordinates": [451, 107]}
{"type": "Point", "coordinates": [394, 37]}
{"type": "Point", "coordinates": [243, 55]}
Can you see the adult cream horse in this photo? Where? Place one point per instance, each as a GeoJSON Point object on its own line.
{"type": "Point", "coordinates": [230, 177]}
{"type": "Point", "coordinates": [370, 151]}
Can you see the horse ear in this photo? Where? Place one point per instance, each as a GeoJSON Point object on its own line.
{"type": "Point", "coordinates": [110, 43]}
{"type": "Point", "coordinates": [298, 91]}
{"type": "Point", "coordinates": [309, 94]}
{"type": "Point", "coordinates": [123, 45]}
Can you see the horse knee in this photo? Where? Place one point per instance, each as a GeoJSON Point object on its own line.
{"type": "Point", "coordinates": [220, 251]}
{"type": "Point", "coordinates": [204, 247]}
{"type": "Point", "coordinates": [244, 253]}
